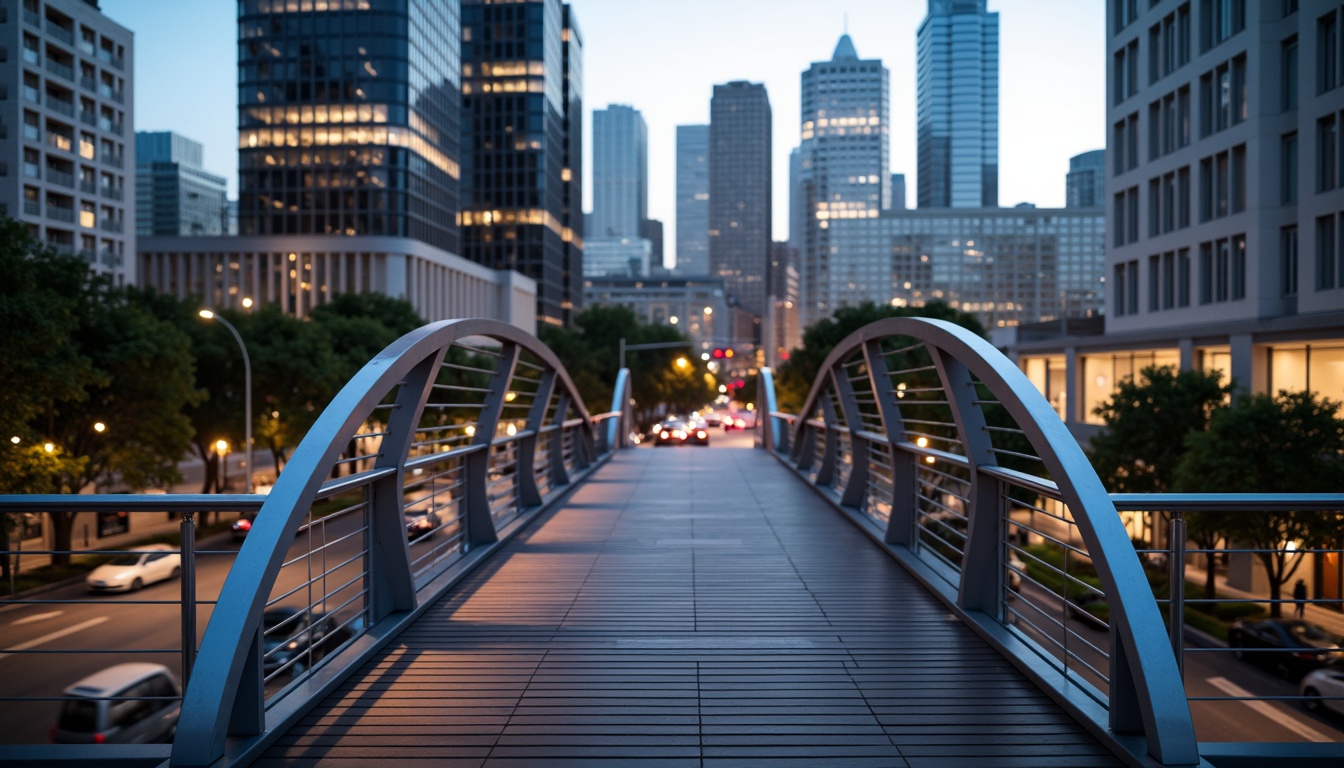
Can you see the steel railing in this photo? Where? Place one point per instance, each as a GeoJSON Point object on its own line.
{"type": "Point", "coordinates": [934, 443]}
{"type": "Point", "coordinates": [439, 449]}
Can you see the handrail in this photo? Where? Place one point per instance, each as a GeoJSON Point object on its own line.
{"type": "Point", "coordinates": [1145, 675]}
{"type": "Point", "coordinates": [221, 698]}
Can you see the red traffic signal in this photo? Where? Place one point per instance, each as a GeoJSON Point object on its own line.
{"type": "Point", "coordinates": [718, 353]}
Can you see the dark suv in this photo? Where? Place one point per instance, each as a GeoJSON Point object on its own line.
{"type": "Point", "coordinates": [133, 703]}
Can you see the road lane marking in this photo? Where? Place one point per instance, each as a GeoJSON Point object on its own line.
{"type": "Point", "coordinates": [58, 634]}
{"type": "Point", "coordinates": [1268, 710]}
{"type": "Point", "coordinates": [37, 617]}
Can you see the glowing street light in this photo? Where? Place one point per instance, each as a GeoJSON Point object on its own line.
{"type": "Point", "coordinates": [99, 427]}
{"type": "Point", "coordinates": [247, 388]}
{"type": "Point", "coordinates": [682, 362]}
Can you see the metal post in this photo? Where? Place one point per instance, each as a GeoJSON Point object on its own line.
{"type": "Point", "coordinates": [622, 365]}
{"type": "Point", "coordinates": [247, 389]}
{"type": "Point", "coordinates": [188, 547]}
{"type": "Point", "coordinates": [1176, 590]}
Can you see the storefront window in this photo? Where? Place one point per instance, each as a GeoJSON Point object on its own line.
{"type": "Point", "coordinates": [1102, 373]}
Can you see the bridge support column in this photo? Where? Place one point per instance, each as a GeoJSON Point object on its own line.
{"type": "Point", "coordinates": [480, 522]}
{"type": "Point", "coordinates": [528, 493]}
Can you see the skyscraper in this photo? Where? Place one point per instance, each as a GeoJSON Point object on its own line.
{"type": "Point", "coordinates": [844, 170]}
{"type": "Point", "coordinates": [68, 119]}
{"type": "Point", "coordinates": [739, 198]}
{"type": "Point", "coordinates": [1085, 186]}
{"type": "Point", "coordinates": [957, 105]}
{"type": "Point", "coordinates": [620, 172]}
{"type": "Point", "coordinates": [692, 199]}
{"type": "Point", "coordinates": [349, 121]}
{"type": "Point", "coordinates": [174, 195]}
{"type": "Point", "coordinates": [522, 109]}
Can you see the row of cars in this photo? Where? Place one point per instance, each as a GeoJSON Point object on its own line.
{"type": "Point", "coordinates": [695, 429]}
{"type": "Point", "coordinates": [141, 702]}
{"type": "Point", "coordinates": [1297, 650]}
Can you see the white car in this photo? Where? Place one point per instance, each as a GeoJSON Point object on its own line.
{"type": "Point", "coordinates": [130, 571]}
{"type": "Point", "coordinates": [1324, 688]}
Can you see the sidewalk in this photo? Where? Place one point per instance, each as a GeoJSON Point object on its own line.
{"type": "Point", "coordinates": [1328, 618]}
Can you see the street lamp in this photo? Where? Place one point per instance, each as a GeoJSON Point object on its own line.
{"type": "Point", "coordinates": [247, 389]}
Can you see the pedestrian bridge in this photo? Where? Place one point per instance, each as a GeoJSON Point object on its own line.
{"type": "Point", "coordinates": [892, 577]}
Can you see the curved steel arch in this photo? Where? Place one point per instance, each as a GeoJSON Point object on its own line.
{"type": "Point", "coordinates": [408, 365]}
{"type": "Point", "coordinates": [1147, 665]}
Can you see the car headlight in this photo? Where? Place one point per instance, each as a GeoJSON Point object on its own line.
{"type": "Point", "coordinates": [292, 645]}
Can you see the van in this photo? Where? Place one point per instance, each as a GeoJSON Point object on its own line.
{"type": "Point", "coordinates": [133, 703]}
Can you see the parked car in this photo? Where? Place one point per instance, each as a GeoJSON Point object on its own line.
{"type": "Point", "coordinates": [681, 433]}
{"type": "Point", "coordinates": [289, 632]}
{"type": "Point", "coordinates": [242, 525]}
{"type": "Point", "coordinates": [130, 571]}
{"type": "Point", "coordinates": [132, 703]}
{"type": "Point", "coordinates": [1324, 688]}
{"type": "Point", "coordinates": [1289, 647]}
{"type": "Point", "coordinates": [420, 523]}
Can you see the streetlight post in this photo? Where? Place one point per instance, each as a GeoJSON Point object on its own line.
{"type": "Point", "coordinates": [247, 388]}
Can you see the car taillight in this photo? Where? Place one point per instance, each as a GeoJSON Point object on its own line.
{"type": "Point", "coordinates": [243, 525]}
{"type": "Point", "coordinates": [99, 738]}
{"type": "Point", "coordinates": [1303, 655]}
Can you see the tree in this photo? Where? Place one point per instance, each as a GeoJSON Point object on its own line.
{"type": "Point", "coordinates": [1291, 443]}
{"type": "Point", "coordinates": [590, 353]}
{"type": "Point", "coordinates": [295, 374]}
{"type": "Point", "coordinates": [794, 378]}
{"type": "Point", "coordinates": [1147, 421]}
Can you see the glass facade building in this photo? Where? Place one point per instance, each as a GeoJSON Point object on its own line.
{"type": "Point", "coordinates": [844, 160]}
{"type": "Point", "coordinates": [348, 116]}
{"type": "Point", "coordinates": [174, 195]}
{"type": "Point", "coordinates": [957, 105]}
{"type": "Point", "coordinates": [1007, 266]}
{"type": "Point", "coordinates": [522, 135]}
{"type": "Point", "coordinates": [739, 196]}
{"type": "Point", "coordinates": [1085, 186]}
{"type": "Point", "coordinates": [620, 172]}
{"type": "Point", "coordinates": [692, 199]}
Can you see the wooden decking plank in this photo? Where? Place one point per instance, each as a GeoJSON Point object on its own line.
{"type": "Point", "coordinates": [688, 608]}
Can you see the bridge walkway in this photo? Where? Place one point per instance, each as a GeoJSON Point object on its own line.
{"type": "Point", "coordinates": [689, 607]}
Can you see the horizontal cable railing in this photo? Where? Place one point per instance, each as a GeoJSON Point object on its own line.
{"type": "Point", "coordinates": [432, 454]}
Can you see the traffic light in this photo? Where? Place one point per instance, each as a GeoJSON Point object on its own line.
{"type": "Point", "coordinates": [722, 352]}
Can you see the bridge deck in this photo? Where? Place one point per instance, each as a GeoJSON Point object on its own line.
{"type": "Point", "coordinates": [689, 607]}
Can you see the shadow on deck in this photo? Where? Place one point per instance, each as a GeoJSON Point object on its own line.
{"type": "Point", "coordinates": [697, 607]}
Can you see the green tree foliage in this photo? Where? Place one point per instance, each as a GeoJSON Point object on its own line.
{"type": "Point", "coordinates": [590, 351]}
{"type": "Point", "coordinates": [1147, 421]}
{"type": "Point", "coordinates": [1292, 443]}
{"type": "Point", "coordinates": [361, 325]}
{"type": "Point", "coordinates": [795, 377]}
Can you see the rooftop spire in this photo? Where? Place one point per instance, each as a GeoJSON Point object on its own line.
{"type": "Point", "coordinates": [845, 48]}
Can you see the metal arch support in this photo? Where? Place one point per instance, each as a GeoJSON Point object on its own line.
{"type": "Point", "coordinates": [209, 713]}
{"type": "Point", "coordinates": [856, 485]}
{"type": "Point", "coordinates": [1142, 636]}
{"type": "Point", "coordinates": [529, 495]}
{"type": "Point", "coordinates": [480, 524]}
{"type": "Point", "coordinates": [901, 522]}
{"type": "Point", "coordinates": [618, 429]}
{"type": "Point", "coordinates": [765, 406]}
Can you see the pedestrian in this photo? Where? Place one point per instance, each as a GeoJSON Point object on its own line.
{"type": "Point", "coordinates": [1300, 597]}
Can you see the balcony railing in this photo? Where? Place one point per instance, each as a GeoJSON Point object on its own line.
{"type": "Point", "coordinates": [60, 33]}
{"type": "Point", "coordinates": [61, 70]}
{"type": "Point", "coordinates": [63, 178]}
{"type": "Point", "coordinates": [61, 105]}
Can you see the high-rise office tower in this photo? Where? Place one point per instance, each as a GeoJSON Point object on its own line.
{"type": "Point", "coordinates": [174, 194]}
{"type": "Point", "coordinates": [69, 125]}
{"type": "Point", "coordinates": [692, 200]}
{"type": "Point", "coordinates": [898, 191]}
{"type": "Point", "coordinates": [620, 172]}
{"type": "Point", "coordinates": [844, 170]}
{"type": "Point", "coordinates": [1085, 186]}
{"type": "Point", "coordinates": [349, 121]}
{"type": "Point", "coordinates": [522, 108]}
{"type": "Point", "coordinates": [957, 105]}
{"type": "Point", "coordinates": [739, 198]}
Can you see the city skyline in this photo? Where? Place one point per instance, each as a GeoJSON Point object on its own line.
{"type": "Point", "coordinates": [1059, 42]}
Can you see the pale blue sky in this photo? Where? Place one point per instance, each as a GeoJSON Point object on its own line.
{"type": "Point", "coordinates": [663, 58]}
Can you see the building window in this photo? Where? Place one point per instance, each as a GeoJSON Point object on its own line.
{"type": "Point", "coordinates": [1183, 196]}
{"type": "Point", "coordinates": [1327, 150]}
{"type": "Point", "coordinates": [1154, 275]}
{"type": "Point", "coordinates": [1288, 261]}
{"type": "Point", "coordinates": [1288, 166]}
{"type": "Point", "coordinates": [1206, 273]}
{"type": "Point", "coordinates": [1132, 286]}
{"type": "Point", "coordinates": [1168, 280]}
{"type": "Point", "coordinates": [1327, 52]}
{"type": "Point", "coordinates": [1238, 267]}
{"type": "Point", "coordinates": [1118, 222]}
{"type": "Point", "coordinates": [1132, 215]}
{"type": "Point", "coordinates": [1119, 290]}
{"type": "Point", "coordinates": [1154, 207]}
{"type": "Point", "coordinates": [1325, 253]}
{"type": "Point", "coordinates": [1221, 20]}
{"type": "Point", "coordinates": [1183, 277]}
{"type": "Point", "coordinates": [1288, 76]}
